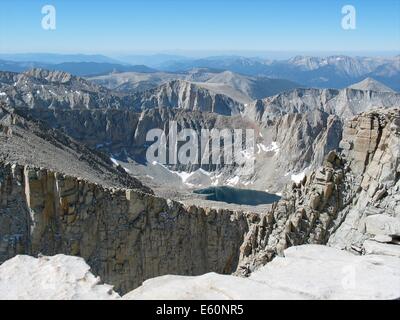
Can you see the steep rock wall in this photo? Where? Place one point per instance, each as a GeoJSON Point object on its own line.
{"type": "Point", "coordinates": [126, 236]}
{"type": "Point", "coordinates": [371, 146]}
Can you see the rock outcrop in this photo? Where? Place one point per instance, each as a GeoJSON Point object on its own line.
{"type": "Point", "coordinates": [51, 278]}
{"type": "Point", "coordinates": [308, 214]}
{"type": "Point", "coordinates": [352, 198]}
{"type": "Point", "coordinates": [371, 147]}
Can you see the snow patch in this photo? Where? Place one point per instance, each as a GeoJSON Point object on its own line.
{"type": "Point", "coordinates": [297, 178]}
{"type": "Point", "coordinates": [114, 161]}
{"type": "Point", "coordinates": [233, 181]}
{"type": "Point", "coordinates": [185, 176]}
{"type": "Point", "coordinates": [273, 147]}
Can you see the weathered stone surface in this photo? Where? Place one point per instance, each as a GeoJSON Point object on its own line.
{"type": "Point", "coordinates": [306, 272]}
{"type": "Point", "coordinates": [51, 278]}
{"type": "Point", "coordinates": [303, 216]}
{"type": "Point", "coordinates": [383, 238]}
{"type": "Point", "coordinates": [376, 173]}
{"type": "Point", "coordinates": [380, 224]}
{"type": "Point", "coordinates": [373, 247]}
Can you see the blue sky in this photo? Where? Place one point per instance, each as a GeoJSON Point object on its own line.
{"type": "Point", "coordinates": [130, 26]}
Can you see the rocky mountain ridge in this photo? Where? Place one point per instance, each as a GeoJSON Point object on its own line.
{"type": "Point", "coordinates": [344, 103]}
{"type": "Point", "coordinates": [43, 89]}
{"type": "Point", "coordinates": [370, 84]}
{"type": "Point", "coordinates": [30, 142]}
{"type": "Point", "coordinates": [294, 130]}
{"type": "Point", "coordinates": [337, 71]}
{"type": "Point", "coordinates": [239, 87]}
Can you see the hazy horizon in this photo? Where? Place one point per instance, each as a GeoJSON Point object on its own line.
{"type": "Point", "coordinates": [200, 54]}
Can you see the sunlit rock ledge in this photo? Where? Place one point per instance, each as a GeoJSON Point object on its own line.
{"type": "Point", "coordinates": [306, 272]}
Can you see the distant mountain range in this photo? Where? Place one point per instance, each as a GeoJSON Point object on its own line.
{"type": "Point", "coordinates": [371, 85]}
{"type": "Point", "coordinates": [327, 72]}
{"type": "Point", "coordinates": [44, 89]}
{"type": "Point", "coordinates": [78, 68]}
{"type": "Point", "coordinates": [320, 72]}
{"type": "Point", "coordinates": [236, 86]}
{"type": "Point", "coordinates": [224, 93]}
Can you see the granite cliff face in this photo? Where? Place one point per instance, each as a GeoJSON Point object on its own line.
{"type": "Point", "coordinates": [300, 142]}
{"type": "Point", "coordinates": [371, 146]}
{"type": "Point", "coordinates": [125, 235]}
{"type": "Point", "coordinates": [186, 95]}
{"type": "Point", "coordinates": [123, 132]}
